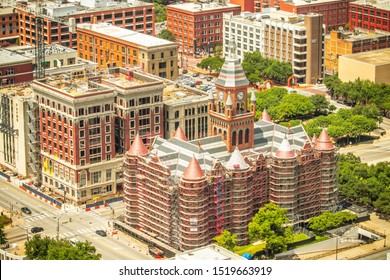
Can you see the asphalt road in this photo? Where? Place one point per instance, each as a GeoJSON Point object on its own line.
{"type": "Point", "coordinates": [377, 256]}
{"type": "Point", "coordinates": [72, 224]}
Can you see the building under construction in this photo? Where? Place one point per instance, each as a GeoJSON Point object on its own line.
{"type": "Point", "coordinates": [184, 193]}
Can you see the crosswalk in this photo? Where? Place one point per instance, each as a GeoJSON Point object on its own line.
{"type": "Point", "coordinates": [84, 231]}
{"type": "Point", "coordinates": [96, 217]}
{"type": "Point", "coordinates": [41, 216]}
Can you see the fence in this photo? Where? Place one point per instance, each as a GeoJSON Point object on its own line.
{"type": "Point", "coordinates": [104, 203]}
{"type": "Point", "coordinates": [41, 195]}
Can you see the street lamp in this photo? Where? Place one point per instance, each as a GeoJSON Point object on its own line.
{"type": "Point", "coordinates": [58, 226]}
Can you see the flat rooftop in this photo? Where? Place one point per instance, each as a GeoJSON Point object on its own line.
{"type": "Point", "coordinates": [139, 39]}
{"type": "Point", "coordinates": [202, 7]}
{"type": "Point", "coordinates": [52, 49]}
{"type": "Point", "coordinates": [269, 15]}
{"type": "Point", "coordinates": [380, 4]}
{"type": "Point", "coordinates": [19, 89]}
{"type": "Point", "coordinates": [377, 57]}
{"type": "Point", "coordinates": [7, 11]}
{"type": "Point", "coordinates": [310, 2]}
{"type": "Point", "coordinates": [68, 9]}
{"type": "Point", "coordinates": [361, 34]}
{"type": "Point", "coordinates": [210, 252]}
{"type": "Point", "coordinates": [11, 57]}
{"type": "Point", "coordinates": [179, 96]}
{"type": "Point", "coordinates": [122, 80]}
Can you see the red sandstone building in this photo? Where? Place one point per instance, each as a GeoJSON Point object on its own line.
{"type": "Point", "coordinates": [9, 23]}
{"type": "Point", "coordinates": [86, 124]}
{"type": "Point", "coordinates": [334, 12]}
{"type": "Point", "coordinates": [197, 26]}
{"type": "Point", "coordinates": [184, 193]}
{"type": "Point", "coordinates": [14, 68]}
{"type": "Point", "coordinates": [370, 15]}
{"type": "Point", "coordinates": [59, 21]}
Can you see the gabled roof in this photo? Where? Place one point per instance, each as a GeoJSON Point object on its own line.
{"type": "Point", "coordinates": [138, 148]}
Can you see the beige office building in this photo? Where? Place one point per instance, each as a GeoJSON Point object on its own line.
{"type": "Point", "coordinates": [282, 36]}
{"type": "Point", "coordinates": [373, 66]}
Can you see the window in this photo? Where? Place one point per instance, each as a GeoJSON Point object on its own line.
{"type": "Point", "coordinates": [108, 175]}
{"type": "Point", "coordinates": [83, 179]}
{"type": "Point", "coordinates": [82, 133]}
{"type": "Point", "coordinates": [96, 177]}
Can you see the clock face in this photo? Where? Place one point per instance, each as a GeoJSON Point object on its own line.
{"type": "Point", "coordinates": [240, 95]}
{"type": "Point", "coordinates": [220, 95]}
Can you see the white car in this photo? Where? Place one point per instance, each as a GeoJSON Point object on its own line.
{"type": "Point", "coordinates": [202, 76]}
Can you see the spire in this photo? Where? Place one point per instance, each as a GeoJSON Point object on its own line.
{"type": "Point", "coordinates": [265, 116]}
{"type": "Point", "coordinates": [179, 134]}
{"type": "Point", "coordinates": [323, 142]}
{"type": "Point", "coordinates": [314, 139]}
{"type": "Point", "coordinates": [285, 150]}
{"type": "Point", "coordinates": [232, 48]}
{"type": "Point", "coordinates": [229, 100]}
{"type": "Point", "coordinates": [236, 160]}
{"type": "Point", "coordinates": [138, 148]}
{"type": "Point", "coordinates": [211, 95]}
{"type": "Point", "coordinates": [193, 171]}
{"type": "Point", "coordinates": [253, 96]}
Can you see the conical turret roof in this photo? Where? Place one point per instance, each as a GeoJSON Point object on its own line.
{"type": "Point", "coordinates": [314, 139]}
{"type": "Point", "coordinates": [323, 142]}
{"type": "Point", "coordinates": [193, 170]}
{"type": "Point", "coordinates": [236, 160]}
{"type": "Point", "coordinates": [285, 150]}
{"type": "Point", "coordinates": [211, 95]}
{"type": "Point", "coordinates": [265, 116]}
{"type": "Point", "coordinates": [253, 96]}
{"type": "Point", "coordinates": [138, 148]}
{"type": "Point", "coordinates": [179, 134]}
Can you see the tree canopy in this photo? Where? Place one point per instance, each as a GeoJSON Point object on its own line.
{"type": "Point", "coordinates": [226, 240]}
{"type": "Point", "coordinates": [167, 35]}
{"type": "Point", "coordinates": [46, 248]}
{"type": "Point", "coordinates": [360, 92]}
{"type": "Point", "coordinates": [212, 63]}
{"type": "Point", "coordinates": [258, 68]}
{"type": "Point", "coordinates": [328, 220]}
{"type": "Point", "coordinates": [270, 225]}
{"type": "Point", "coordinates": [366, 184]}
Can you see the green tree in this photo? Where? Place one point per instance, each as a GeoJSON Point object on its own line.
{"type": "Point", "coordinates": [218, 51]}
{"type": "Point", "coordinates": [3, 239]}
{"type": "Point", "coordinates": [269, 225]}
{"type": "Point", "coordinates": [226, 240]}
{"type": "Point", "coordinates": [167, 35]}
{"type": "Point", "coordinates": [328, 220]}
{"type": "Point", "coordinates": [211, 63]}
{"type": "Point", "coordinates": [160, 12]}
{"type": "Point", "coordinates": [320, 102]}
{"type": "Point", "coordinates": [38, 248]}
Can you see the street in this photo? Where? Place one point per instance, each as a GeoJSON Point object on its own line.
{"type": "Point", "coordinates": [72, 224]}
{"type": "Point", "coordinates": [376, 256]}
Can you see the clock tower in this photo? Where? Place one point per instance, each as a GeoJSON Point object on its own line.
{"type": "Point", "coordinates": [229, 113]}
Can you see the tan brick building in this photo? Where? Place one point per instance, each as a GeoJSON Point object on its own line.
{"type": "Point", "coordinates": [60, 20]}
{"type": "Point", "coordinates": [339, 43]}
{"type": "Point", "coordinates": [112, 46]}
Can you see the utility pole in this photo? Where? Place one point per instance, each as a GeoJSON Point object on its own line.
{"type": "Point", "coordinates": [58, 228]}
{"type": "Point", "coordinates": [337, 246]}
{"type": "Point", "coordinates": [384, 238]}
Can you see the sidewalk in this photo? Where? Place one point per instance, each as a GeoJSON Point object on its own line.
{"type": "Point", "coordinates": [374, 223]}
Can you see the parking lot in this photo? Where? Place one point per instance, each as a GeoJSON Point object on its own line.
{"type": "Point", "coordinates": [200, 81]}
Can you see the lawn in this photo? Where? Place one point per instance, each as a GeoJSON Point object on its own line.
{"type": "Point", "coordinates": [300, 237]}
{"type": "Point", "coordinates": [251, 249]}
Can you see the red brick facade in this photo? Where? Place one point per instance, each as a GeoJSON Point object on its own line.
{"type": "Point", "coordinates": [369, 17]}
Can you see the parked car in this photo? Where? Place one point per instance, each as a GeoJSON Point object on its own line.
{"type": "Point", "coordinates": [198, 83]}
{"type": "Point", "coordinates": [36, 229]}
{"type": "Point", "coordinates": [25, 210]}
{"type": "Point", "coordinates": [202, 76]}
{"type": "Point", "coordinates": [195, 74]}
{"type": "Point", "coordinates": [184, 71]}
{"type": "Point", "coordinates": [101, 232]}
{"type": "Point", "coordinates": [74, 241]}
{"type": "Point", "coordinates": [209, 78]}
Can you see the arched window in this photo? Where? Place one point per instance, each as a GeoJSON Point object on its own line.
{"type": "Point", "coordinates": [234, 138]}
{"type": "Point", "coordinates": [240, 137]}
{"type": "Point", "coordinates": [247, 135]}
{"type": "Point", "coordinates": [215, 131]}
{"type": "Point", "coordinates": [220, 132]}
{"type": "Point", "coordinates": [224, 135]}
